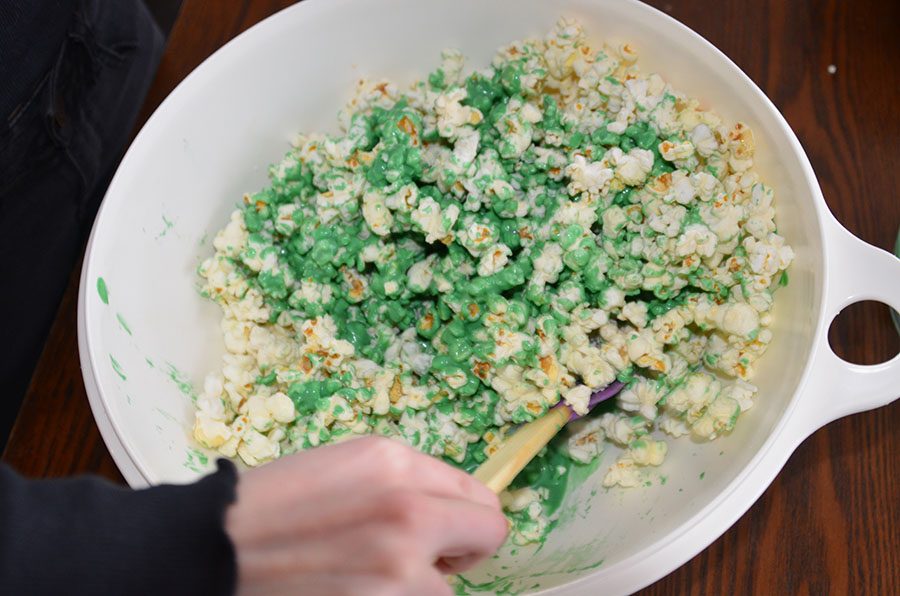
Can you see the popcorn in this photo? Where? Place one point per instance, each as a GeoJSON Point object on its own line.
{"type": "Point", "coordinates": [648, 453]}
{"type": "Point", "coordinates": [230, 241]}
{"type": "Point", "coordinates": [547, 265]}
{"type": "Point", "coordinates": [591, 177]}
{"type": "Point", "coordinates": [703, 141]}
{"type": "Point", "coordinates": [586, 441]}
{"type": "Point", "coordinates": [452, 116]}
{"type": "Point", "coordinates": [696, 239]}
{"type": "Point", "coordinates": [635, 313]}
{"type": "Point", "coordinates": [433, 221]}
{"type": "Point", "coordinates": [623, 473]}
{"type": "Point", "coordinates": [493, 260]}
{"type": "Point", "coordinates": [642, 398]}
{"type": "Point", "coordinates": [578, 397]}
{"type": "Point", "coordinates": [210, 431]}
{"type": "Point", "coordinates": [471, 250]}
{"type": "Point", "coordinates": [377, 214]}
{"type": "Point", "coordinates": [281, 408]}
{"type": "Point", "coordinates": [632, 167]}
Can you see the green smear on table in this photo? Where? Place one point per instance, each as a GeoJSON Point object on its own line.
{"type": "Point", "coordinates": [702, 474]}
{"type": "Point", "coordinates": [181, 381]}
{"type": "Point", "coordinates": [117, 367]}
{"type": "Point", "coordinates": [123, 324]}
{"type": "Point", "coordinates": [102, 291]}
{"type": "Point", "coordinates": [149, 363]}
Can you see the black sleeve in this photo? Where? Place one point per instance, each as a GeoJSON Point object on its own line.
{"type": "Point", "coordinates": [88, 536]}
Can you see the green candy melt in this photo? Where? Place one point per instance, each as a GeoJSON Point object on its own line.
{"type": "Point", "coordinates": [472, 249]}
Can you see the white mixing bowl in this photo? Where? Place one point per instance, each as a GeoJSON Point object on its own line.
{"type": "Point", "coordinates": [210, 142]}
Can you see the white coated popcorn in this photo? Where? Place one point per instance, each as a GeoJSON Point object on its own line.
{"type": "Point", "coordinates": [742, 392]}
{"type": "Point", "coordinates": [586, 441]}
{"type": "Point", "coordinates": [587, 362]}
{"type": "Point", "coordinates": [493, 260]}
{"type": "Point", "coordinates": [623, 473]}
{"type": "Point", "coordinates": [466, 147]}
{"type": "Point", "coordinates": [421, 274]}
{"type": "Point", "coordinates": [619, 429]}
{"type": "Point", "coordinates": [682, 190]}
{"type": "Point", "coordinates": [719, 417]}
{"type": "Point", "coordinates": [432, 221]}
{"type": "Point", "coordinates": [210, 429]}
{"type": "Point", "coordinates": [376, 213]}
{"type": "Point", "coordinates": [642, 398]}
{"type": "Point", "coordinates": [769, 256]}
{"type": "Point", "coordinates": [590, 177]}
{"type": "Point", "coordinates": [548, 265]}
{"type": "Point", "coordinates": [635, 313]}
{"type": "Point", "coordinates": [632, 167]}
{"type": "Point", "coordinates": [696, 239]}
{"type": "Point", "coordinates": [281, 408]}
{"type": "Point", "coordinates": [532, 258]}
{"type": "Point", "coordinates": [577, 397]}
{"type": "Point", "coordinates": [231, 240]}
{"type": "Point", "coordinates": [703, 140]}
{"type": "Point", "coordinates": [255, 448]}
{"type": "Point", "coordinates": [737, 318]}
{"type": "Point", "coordinates": [692, 397]}
{"type": "Point", "coordinates": [258, 413]}
{"type": "Point", "coordinates": [519, 499]}
{"type": "Point", "coordinates": [674, 426]}
{"type": "Point", "coordinates": [646, 352]}
{"type": "Point", "coordinates": [674, 152]}
{"type": "Point", "coordinates": [648, 453]}
{"type": "Point", "coordinates": [452, 116]}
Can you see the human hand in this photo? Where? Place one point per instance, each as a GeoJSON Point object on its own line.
{"type": "Point", "coordinates": [368, 516]}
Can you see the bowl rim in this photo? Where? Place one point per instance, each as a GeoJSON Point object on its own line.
{"type": "Point", "coordinates": [677, 546]}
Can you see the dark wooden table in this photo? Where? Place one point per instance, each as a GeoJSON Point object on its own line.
{"type": "Point", "coordinates": [830, 523]}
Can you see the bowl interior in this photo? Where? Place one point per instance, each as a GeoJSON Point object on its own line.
{"type": "Point", "coordinates": [154, 338]}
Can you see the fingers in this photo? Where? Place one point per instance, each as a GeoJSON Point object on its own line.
{"type": "Point", "coordinates": [368, 507]}
{"type": "Point", "coordinates": [400, 465]}
{"type": "Point", "coordinates": [430, 583]}
{"type": "Point", "coordinates": [443, 480]}
{"type": "Point", "coordinates": [454, 565]}
{"type": "Point", "coordinates": [467, 531]}
{"type": "Point", "coordinates": [447, 527]}
{"type": "Point", "coordinates": [372, 549]}
{"type": "Point", "coordinates": [401, 527]}
{"type": "Point", "coordinates": [367, 464]}
{"type": "Point", "coordinates": [384, 464]}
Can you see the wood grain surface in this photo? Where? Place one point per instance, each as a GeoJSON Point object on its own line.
{"type": "Point", "coordinates": [830, 523]}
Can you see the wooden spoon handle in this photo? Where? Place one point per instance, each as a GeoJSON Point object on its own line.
{"type": "Point", "coordinates": [520, 448]}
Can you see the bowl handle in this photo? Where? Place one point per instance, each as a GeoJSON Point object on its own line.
{"type": "Point", "coordinates": [857, 271]}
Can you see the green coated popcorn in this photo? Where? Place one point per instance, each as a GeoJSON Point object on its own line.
{"type": "Point", "coordinates": [477, 247]}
